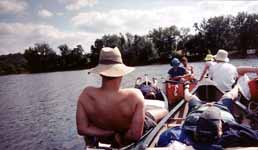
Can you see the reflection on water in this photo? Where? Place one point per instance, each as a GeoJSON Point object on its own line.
{"type": "Point", "coordinates": [38, 111]}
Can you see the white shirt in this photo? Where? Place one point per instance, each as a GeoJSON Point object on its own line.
{"type": "Point", "coordinates": [210, 64]}
{"type": "Point", "coordinates": [224, 74]}
{"type": "Point", "coordinates": [244, 87]}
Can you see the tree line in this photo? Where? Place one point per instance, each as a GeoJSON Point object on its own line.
{"type": "Point", "coordinates": [233, 33]}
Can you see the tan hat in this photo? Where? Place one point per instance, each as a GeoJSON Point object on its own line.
{"type": "Point", "coordinates": [222, 55]}
{"type": "Point", "coordinates": [111, 64]}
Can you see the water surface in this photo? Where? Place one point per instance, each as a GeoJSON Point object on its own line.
{"type": "Point", "coordinates": [37, 111]}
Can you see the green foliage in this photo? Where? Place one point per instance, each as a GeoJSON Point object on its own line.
{"type": "Point", "coordinates": [165, 41]}
{"type": "Point", "coordinates": [12, 64]}
{"type": "Point", "coordinates": [41, 58]}
{"type": "Point", "coordinates": [228, 32]}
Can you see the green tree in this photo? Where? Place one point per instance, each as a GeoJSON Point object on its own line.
{"type": "Point", "coordinates": [165, 41]}
{"type": "Point", "coordinates": [95, 50]}
{"type": "Point", "coordinates": [41, 58]}
{"type": "Point", "coordinates": [246, 31]}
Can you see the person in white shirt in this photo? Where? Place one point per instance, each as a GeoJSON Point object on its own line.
{"type": "Point", "coordinates": [209, 62]}
{"type": "Point", "coordinates": [248, 85]}
{"type": "Point", "coordinates": [223, 73]}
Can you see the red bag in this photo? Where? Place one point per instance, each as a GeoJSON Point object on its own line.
{"type": "Point", "coordinates": [253, 86]}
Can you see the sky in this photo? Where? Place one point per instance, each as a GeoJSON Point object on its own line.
{"type": "Point", "coordinates": [26, 22]}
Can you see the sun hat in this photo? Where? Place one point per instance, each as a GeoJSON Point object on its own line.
{"type": "Point", "coordinates": [111, 64]}
{"type": "Point", "coordinates": [175, 62]}
{"type": "Point", "coordinates": [209, 57]}
{"type": "Point", "coordinates": [208, 125]}
{"type": "Point", "coordinates": [222, 55]}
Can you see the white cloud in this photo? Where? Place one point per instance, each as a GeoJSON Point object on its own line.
{"type": "Point", "coordinates": [25, 35]}
{"type": "Point", "coordinates": [78, 4]}
{"type": "Point", "coordinates": [142, 21]}
{"type": "Point", "coordinates": [45, 13]}
{"type": "Point", "coordinates": [118, 20]}
{"type": "Point", "coordinates": [12, 6]}
{"type": "Point", "coordinates": [60, 13]}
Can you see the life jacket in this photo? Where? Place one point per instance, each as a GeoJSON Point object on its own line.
{"type": "Point", "coordinates": [253, 86]}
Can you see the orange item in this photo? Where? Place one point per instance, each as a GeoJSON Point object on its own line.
{"type": "Point", "coordinates": [175, 92]}
{"type": "Point", "coordinates": [253, 86]}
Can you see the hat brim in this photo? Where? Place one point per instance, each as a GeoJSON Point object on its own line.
{"type": "Point", "coordinates": [113, 70]}
{"type": "Point", "coordinates": [219, 59]}
{"type": "Point", "coordinates": [208, 59]}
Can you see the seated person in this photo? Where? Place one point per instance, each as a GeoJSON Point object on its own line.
{"type": "Point", "coordinates": [210, 126]}
{"type": "Point", "coordinates": [209, 62]}
{"type": "Point", "coordinates": [109, 113]}
{"type": "Point", "coordinates": [176, 72]}
{"type": "Point", "coordinates": [149, 89]}
{"type": "Point", "coordinates": [222, 72]}
{"type": "Point", "coordinates": [248, 87]}
{"type": "Point", "coordinates": [188, 68]}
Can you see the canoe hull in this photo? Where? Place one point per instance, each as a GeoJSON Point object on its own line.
{"type": "Point", "coordinates": [175, 91]}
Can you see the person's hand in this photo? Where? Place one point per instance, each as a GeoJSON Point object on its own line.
{"type": "Point", "coordinates": [186, 85]}
{"type": "Point", "coordinates": [182, 80]}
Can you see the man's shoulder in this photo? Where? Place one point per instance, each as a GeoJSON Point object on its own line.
{"type": "Point", "coordinates": [170, 70]}
{"type": "Point", "coordinates": [88, 91]}
{"type": "Point", "coordinates": [223, 66]}
{"type": "Point", "coordinates": [133, 93]}
{"type": "Point", "coordinates": [230, 65]}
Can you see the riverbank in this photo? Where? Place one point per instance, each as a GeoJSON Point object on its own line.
{"type": "Point", "coordinates": [17, 64]}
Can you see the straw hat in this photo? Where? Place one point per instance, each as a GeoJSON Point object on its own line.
{"type": "Point", "coordinates": [111, 64]}
{"type": "Point", "coordinates": [209, 57]}
{"type": "Point", "coordinates": [222, 55]}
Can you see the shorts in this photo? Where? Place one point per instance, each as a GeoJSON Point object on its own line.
{"type": "Point", "coordinates": [225, 102]}
{"type": "Point", "coordinates": [149, 122]}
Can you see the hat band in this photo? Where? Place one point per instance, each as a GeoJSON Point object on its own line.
{"type": "Point", "coordinates": [109, 62]}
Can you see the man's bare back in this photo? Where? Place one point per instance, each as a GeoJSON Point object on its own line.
{"type": "Point", "coordinates": [111, 110]}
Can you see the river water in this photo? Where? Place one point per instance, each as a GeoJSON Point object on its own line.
{"type": "Point", "coordinates": [37, 111]}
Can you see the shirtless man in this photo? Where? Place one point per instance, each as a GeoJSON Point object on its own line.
{"type": "Point", "coordinates": [109, 112]}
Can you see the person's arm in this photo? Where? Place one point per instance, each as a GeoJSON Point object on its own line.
{"type": "Point", "coordinates": [192, 72]}
{"type": "Point", "coordinates": [187, 94]}
{"type": "Point", "coordinates": [245, 69]}
{"type": "Point", "coordinates": [233, 93]}
{"type": "Point", "coordinates": [85, 128]}
{"type": "Point", "coordinates": [136, 128]}
{"type": "Point", "coordinates": [206, 67]}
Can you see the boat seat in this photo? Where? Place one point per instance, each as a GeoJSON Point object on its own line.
{"type": "Point", "coordinates": [176, 119]}
{"type": "Point", "coordinates": [174, 122]}
{"type": "Point", "coordinates": [172, 125]}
